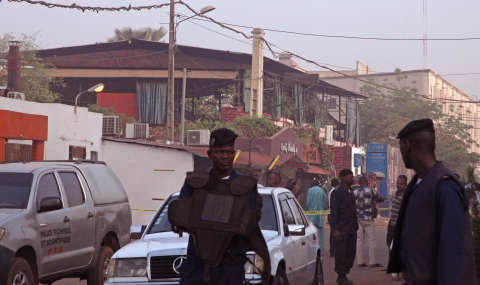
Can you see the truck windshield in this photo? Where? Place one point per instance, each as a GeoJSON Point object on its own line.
{"type": "Point", "coordinates": [15, 189]}
{"type": "Point", "coordinates": [268, 221]}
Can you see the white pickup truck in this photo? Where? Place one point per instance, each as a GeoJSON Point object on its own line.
{"type": "Point", "coordinates": [60, 219]}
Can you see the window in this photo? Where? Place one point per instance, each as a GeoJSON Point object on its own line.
{"type": "Point", "coordinates": [268, 221]}
{"type": "Point", "coordinates": [73, 189]}
{"type": "Point", "coordinates": [162, 224]}
{"type": "Point", "coordinates": [15, 189]}
{"type": "Point", "coordinates": [297, 211]}
{"type": "Point", "coordinates": [47, 187]}
{"type": "Point", "coordinates": [288, 218]}
{"type": "Point", "coordinates": [76, 152]}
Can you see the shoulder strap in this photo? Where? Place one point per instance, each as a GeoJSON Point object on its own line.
{"type": "Point", "coordinates": [242, 184]}
{"type": "Point", "coordinates": [197, 179]}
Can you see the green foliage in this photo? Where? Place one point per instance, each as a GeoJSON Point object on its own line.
{"type": "Point", "coordinates": [247, 127]}
{"type": "Point", "coordinates": [386, 112]}
{"type": "Point", "coordinates": [206, 108]}
{"type": "Point", "coordinates": [472, 187]}
{"type": "Point", "coordinates": [230, 95]}
{"type": "Point", "coordinates": [37, 83]}
{"type": "Point", "coordinates": [148, 34]}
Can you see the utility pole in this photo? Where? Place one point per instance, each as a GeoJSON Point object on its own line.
{"type": "Point", "coordinates": [171, 78]}
{"type": "Point", "coordinates": [424, 33]}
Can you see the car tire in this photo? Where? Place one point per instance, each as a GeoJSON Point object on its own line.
{"type": "Point", "coordinates": [281, 273]}
{"type": "Point", "coordinates": [20, 273]}
{"type": "Point", "coordinates": [318, 278]}
{"type": "Point", "coordinates": [98, 274]}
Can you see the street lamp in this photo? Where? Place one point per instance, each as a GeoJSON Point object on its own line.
{"type": "Point", "coordinates": [97, 88]}
{"type": "Point", "coordinates": [171, 66]}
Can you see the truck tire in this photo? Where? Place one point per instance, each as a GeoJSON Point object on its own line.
{"type": "Point", "coordinates": [20, 273]}
{"type": "Point", "coordinates": [98, 274]}
{"type": "Point", "coordinates": [281, 273]}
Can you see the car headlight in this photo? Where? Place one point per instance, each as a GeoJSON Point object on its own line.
{"type": "Point", "coordinates": [254, 264]}
{"type": "Point", "coordinates": [131, 267]}
{"type": "Point", "coordinates": [2, 233]}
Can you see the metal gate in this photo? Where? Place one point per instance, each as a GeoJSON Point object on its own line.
{"type": "Point", "coordinates": [18, 150]}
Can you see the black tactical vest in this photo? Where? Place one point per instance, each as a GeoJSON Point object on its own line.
{"type": "Point", "coordinates": [217, 210]}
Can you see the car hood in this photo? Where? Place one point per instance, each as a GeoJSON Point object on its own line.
{"type": "Point", "coordinates": [167, 243]}
{"type": "Point", "coordinates": [7, 213]}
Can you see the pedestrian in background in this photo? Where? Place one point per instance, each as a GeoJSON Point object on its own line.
{"type": "Point", "coordinates": [275, 180]}
{"type": "Point", "coordinates": [396, 203]}
{"type": "Point", "coordinates": [334, 182]}
{"type": "Point", "coordinates": [297, 192]}
{"type": "Point", "coordinates": [316, 200]}
{"type": "Point", "coordinates": [433, 236]}
{"type": "Point", "coordinates": [365, 198]}
{"type": "Point", "coordinates": [343, 223]}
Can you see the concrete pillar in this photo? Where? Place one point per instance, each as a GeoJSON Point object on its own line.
{"type": "Point", "coordinates": [2, 149]}
{"type": "Point", "coordinates": [14, 81]}
{"type": "Point", "coordinates": [256, 105]}
{"type": "Point", "coordinates": [38, 148]}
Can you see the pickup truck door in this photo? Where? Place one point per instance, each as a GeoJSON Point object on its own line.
{"type": "Point", "coordinates": [54, 229]}
{"type": "Point", "coordinates": [82, 213]}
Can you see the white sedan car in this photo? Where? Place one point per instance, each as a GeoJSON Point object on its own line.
{"type": "Point", "coordinates": [292, 241]}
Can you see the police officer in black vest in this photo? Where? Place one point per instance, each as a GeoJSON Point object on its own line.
{"type": "Point", "coordinates": [343, 223]}
{"type": "Point", "coordinates": [433, 235]}
{"type": "Point", "coordinates": [220, 210]}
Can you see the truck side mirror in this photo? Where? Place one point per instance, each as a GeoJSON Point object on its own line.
{"type": "Point", "coordinates": [136, 232]}
{"type": "Point", "coordinates": [48, 204]}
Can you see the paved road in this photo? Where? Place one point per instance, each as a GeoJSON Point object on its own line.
{"type": "Point", "coordinates": [363, 275]}
{"type": "Point", "coordinates": [360, 275]}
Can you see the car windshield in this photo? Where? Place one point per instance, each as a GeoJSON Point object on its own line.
{"type": "Point", "coordinates": [268, 221]}
{"type": "Point", "coordinates": [15, 189]}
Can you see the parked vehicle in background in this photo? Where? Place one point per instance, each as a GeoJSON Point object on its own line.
{"type": "Point", "coordinates": [157, 256]}
{"type": "Point", "coordinates": [60, 219]}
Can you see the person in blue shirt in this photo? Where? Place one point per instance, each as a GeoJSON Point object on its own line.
{"type": "Point", "coordinates": [316, 200]}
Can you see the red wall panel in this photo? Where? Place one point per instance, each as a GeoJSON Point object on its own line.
{"type": "Point", "coordinates": [125, 103]}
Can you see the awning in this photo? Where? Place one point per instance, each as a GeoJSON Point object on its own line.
{"type": "Point", "coordinates": [139, 73]}
{"type": "Point", "coordinates": [296, 162]}
{"type": "Point", "coordinates": [315, 169]}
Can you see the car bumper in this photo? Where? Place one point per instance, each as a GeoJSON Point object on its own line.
{"type": "Point", "coordinates": [250, 278]}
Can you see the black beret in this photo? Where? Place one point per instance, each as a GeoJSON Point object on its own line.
{"type": "Point", "coordinates": [417, 126]}
{"type": "Point", "coordinates": [222, 137]}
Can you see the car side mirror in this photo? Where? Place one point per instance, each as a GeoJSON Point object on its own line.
{"type": "Point", "coordinates": [136, 232]}
{"type": "Point", "coordinates": [50, 204]}
{"type": "Point", "coordinates": [294, 230]}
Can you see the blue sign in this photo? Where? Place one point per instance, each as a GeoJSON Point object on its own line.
{"type": "Point", "coordinates": [377, 161]}
{"type": "Point", "coordinates": [357, 160]}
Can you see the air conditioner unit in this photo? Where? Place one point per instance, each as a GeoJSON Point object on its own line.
{"type": "Point", "coordinates": [136, 131]}
{"type": "Point", "coordinates": [16, 95]}
{"type": "Point", "coordinates": [329, 134]}
{"type": "Point", "coordinates": [110, 125]}
{"type": "Point", "coordinates": [198, 137]}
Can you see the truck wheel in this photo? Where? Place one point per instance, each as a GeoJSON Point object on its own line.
{"type": "Point", "coordinates": [281, 273]}
{"type": "Point", "coordinates": [20, 273]}
{"type": "Point", "coordinates": [318, 278]}
{"type": "Point", "coordinates": [98, 274]}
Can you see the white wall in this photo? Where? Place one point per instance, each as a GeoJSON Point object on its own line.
{"type": "Point", "coordinates": [147, 172]}
{"type": "Point", "coordinates": [64, 127]}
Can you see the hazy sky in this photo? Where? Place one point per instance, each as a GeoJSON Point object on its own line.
{"type": "Point", "coordinates": [368, 18]}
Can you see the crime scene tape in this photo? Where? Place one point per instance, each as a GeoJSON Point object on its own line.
{"type": "Point", "coordinates": [327, 212]}
{"type": "Point", "coordinates": [142, 210]}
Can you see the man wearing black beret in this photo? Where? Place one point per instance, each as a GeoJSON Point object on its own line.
{"type": "Point", "coordinates": [433, 235]}
{"type": "Point", "coordinates": [216, 254]}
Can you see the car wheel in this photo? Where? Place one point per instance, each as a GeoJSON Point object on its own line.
{"type": "Point", "coordinates": [20, 273]}
{"type": "Point", "coordinates": [281, 273]}
{"type": "Point", "coordinates": [318, 278]}
{"type": "Point", "coordinates": [98, 274]}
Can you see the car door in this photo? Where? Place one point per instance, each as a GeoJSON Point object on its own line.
{"type": "Point", "coordinates": [312, 243]}
{"type": "Point", "coordinates": [294, 247]}
{"type": "Point", "coordinates": [82, 214]}
{"type": "Point", "coordinates": [54, 228]}
{"type": "Point", "coordinates": [304, 240]}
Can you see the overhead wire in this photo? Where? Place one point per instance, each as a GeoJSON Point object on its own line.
{"type": "Point", "coordinates": [94, 9]}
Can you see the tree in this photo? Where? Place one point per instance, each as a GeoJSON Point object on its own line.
{"type": "Point", "coordinates": [386, 112]}
{"type": "Point", "coordinates": [148, 34]}
{"type": "Point", "coordinates": [37, 83]}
